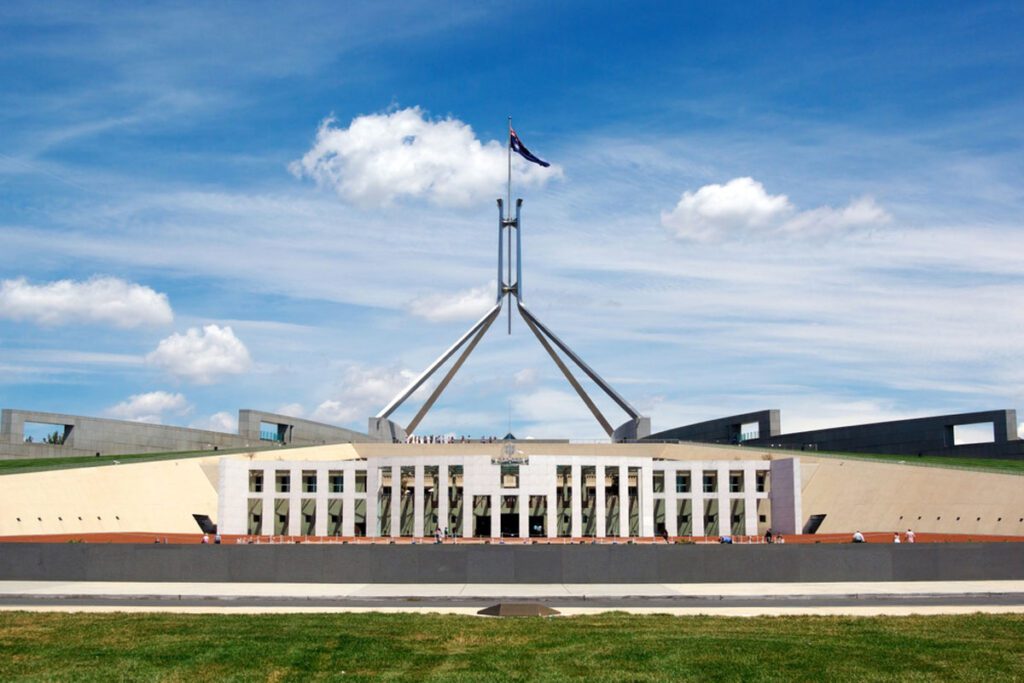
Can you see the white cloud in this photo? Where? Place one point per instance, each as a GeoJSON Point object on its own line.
{"type": "Point", "coordinates": [860, 213]}
{"type": "Point", "coordinates": [202, 356]}
{"type": "Point", "coordinates": [363, 391]}
{"type": "Point", "coordinates": [291, 410]}
{"type": "Point", "coordinates": [525, 377]}
{"type": "Point", "coordinates": [469, 304]}
{"type": "Point", "coordinates": [383, 157]}
{"type": "Point", "coordinates": [150, 407]}
{"type": "Point", "coordinates": [743, 208]}
{"type": "Point", "coordinates": [101, 300]}
{"type": "Point", "coordinates": [222, 421]}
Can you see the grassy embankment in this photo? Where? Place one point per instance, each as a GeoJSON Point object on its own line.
{"type": "Point", "coordinates": [432, 647]}
{"type": "Point", "coordinates": [983, 464]}
{"type": "Point", "coordinates": [20, 465]}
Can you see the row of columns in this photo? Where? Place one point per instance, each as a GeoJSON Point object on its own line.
{"type": "Point", "coordinates": [644, 490]}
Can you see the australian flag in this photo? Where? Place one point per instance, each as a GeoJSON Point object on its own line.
{"type": "Point", "coordinates": [519, 148]}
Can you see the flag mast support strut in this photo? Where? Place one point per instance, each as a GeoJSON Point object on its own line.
{"type": "Point", "coordinates": [382, 428]}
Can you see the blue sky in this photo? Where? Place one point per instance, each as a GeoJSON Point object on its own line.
{"type": "Point", "coordinates": [808, 206]}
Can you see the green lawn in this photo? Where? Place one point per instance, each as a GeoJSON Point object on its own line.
{"type": "Point", "coordinates": [987, 464]}
{"type": "Point", "coordinates": [431, 647]}
{"type": "Point", "coordinates": [18, 465]}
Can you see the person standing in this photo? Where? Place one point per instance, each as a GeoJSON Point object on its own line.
{"type": "Point", "coordinates": [858, 537]}
{"type": "Point", "coordinates": [768, 536]}
{"type": "Point", "coordinates": [896, 537]}
{"type": "Point", "coordinates": [910, 535]}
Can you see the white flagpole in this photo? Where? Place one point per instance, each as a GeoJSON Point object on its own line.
{"type": "Point", "coordinates": [508, 213]}
{"type": "Point", "coordinates": [508, 196]}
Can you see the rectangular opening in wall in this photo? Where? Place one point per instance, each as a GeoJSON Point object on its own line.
{"type": "Point", "coordinates": [588, 473]}
{"type": "Point", "coordinates": [510, 516]}
{"type": "Point", "coordinates": [981, 432]}
{"type": "Point", "coordinates": [309, 481]}
{"type": "Point", "coordinates": [660, 528]}
{"type": "Point", "coordinates": [336, 481]}
{"type": "Point", "coordinates": [254, 527]}
{"type": "Point", "coordinates": [384, 502]}
{"type": "Point", "coordinates": [270, 431]}
{"type": "Point", "coordinates": [255, 481]}
{"type": "Point", "coordinates": [738, 516]}
{"type": "Point", "coordinates": [611, 501]}
{"type": "Point", "coordinates": [46, 433]}
{"type": "Point", "coordinates": [359, 517]}
{"type": "Point", "coordinates": [407, 515]}
{"type": "Point", "coordinates": [334, 517]}
{"type": "Point", "coordinates": [308, 517]}
{"type": "Point", "coordinates": [360, 481]}
{"type": "Point", "coordinates": [633, 492]}
{"type": "Point", "coordinates": [710, 517]}
{"type": "Point", "coordinates": [761, 479]}
{"type": "Point", "coordinates": [455, 502]}
{"type": "Point", "coordinates": [563, 500]}
{"type": "Point", "coordinates": [281, 508]}
{"type": "Point", "coordinates": [659, 481]}
{"type": "Point", "coordinates": [482, 516]}
{"type": "Point", "coordinates": [684, 517]}
{"type": "Point", "coordinates": [430, 491]}
{"type": "Point", "coordinates": [710, 481]}
{"type": "Point", "coordinates": [735, 481]}
{"type": "Point", "coordinates": [682, 482]}
{"type": "Point", "coordinates": [750, 430]}
{"type": "Point", "coordinates": [283, 481]}
{"type": "Point", "coordinates": [538, 516]}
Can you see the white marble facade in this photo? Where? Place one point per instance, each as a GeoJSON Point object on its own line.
{"type": "Point", "coordinates": [755, 483]}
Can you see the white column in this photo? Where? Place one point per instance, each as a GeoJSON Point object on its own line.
{"type": "Point", "coordinates": [442, 497]}
{"type": "Point", "coordinates": [644, 489]}
{"type": "Point", "coordinates": [468, 519]}
{"type": "Point", "coordinates": [322, 487]}
{"type": "Point", "coordinates": [417, 517]}
{"type": "Point", "coordinates": [495, 515]}
{"type": "Point", "coordinates": [268, 501]}
{"type": "Point", "coordinates": [623, 500]}
{"type": "Point", "coordinates": [750, 499]}
{"type": "Point", "coordinates": [601, 524]}
{"type": "Point", "coordinates": [372, 492]}
{"type": "Point", "coordinates": [697, 506]}
{"type": "Point", "coordinates": [295, 502]}
{"type": "Point", "coordinates": [671, 502]}
{"type": "Point", "coordinates": [348, 501]}
{"type": "Point", "coordinates": [524, 515]}
{"type": "Point", "coordinates": [577, 502]}
{"type": "Point", "coordinates": [724, 513]}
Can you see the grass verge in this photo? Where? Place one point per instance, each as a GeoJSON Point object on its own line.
{"type": "Point", "coordinates": [613, 646]}
{"type": "Point", "coordinates": [982, 464]}
{"type": "Point", "coordinates": [20, 465]}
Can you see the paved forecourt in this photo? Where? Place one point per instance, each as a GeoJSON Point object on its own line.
{"type": "Point", "coordinates": [732, 599]}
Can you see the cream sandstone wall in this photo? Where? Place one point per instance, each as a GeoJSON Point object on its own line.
{"type": "Point", "coordinates": [874, 496]}
{"type": "Point", "coordinates": [152, 496]}
{"type": "Point", "coordinates": [162, 496]}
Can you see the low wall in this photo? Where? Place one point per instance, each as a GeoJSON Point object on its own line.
{"type": "Point", "coordinates": [511, 564]}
